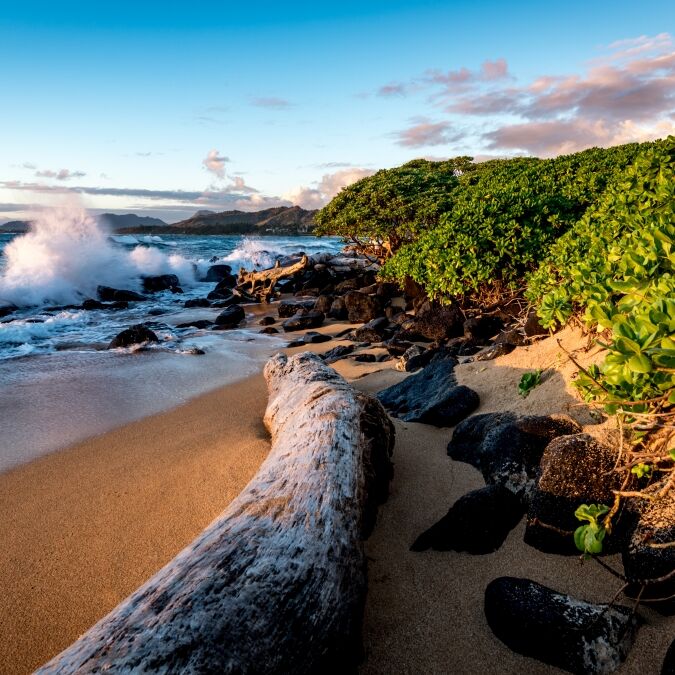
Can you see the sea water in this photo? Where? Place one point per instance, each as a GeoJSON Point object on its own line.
{"type": "Point", "coordinates": [58, 383]}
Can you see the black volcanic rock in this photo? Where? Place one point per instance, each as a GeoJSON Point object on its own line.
{"type": "Point", "coordinates": [108, 294]}
{"type": "Point", "coordinates": [478, 522]}
{"type": "Point", "coordinates": [161, 282]}
{"type": "Point", "coordinates": [300, 321]}
{"type": "Point", "coordinates": [577, 636]}
{"type": "Point", "coordinates": [230, 317]}
{"type": "Point", "coordinates": [134, 335]}
{"type": "Point", "coordinates": [197, 302]}
{"type": "Point", "coordinates": [217, 272]}
{"type": "Point", "coordinates": [431, 396]}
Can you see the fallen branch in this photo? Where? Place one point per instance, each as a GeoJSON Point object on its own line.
{"type": "Point", "coordinates": [261, 284]}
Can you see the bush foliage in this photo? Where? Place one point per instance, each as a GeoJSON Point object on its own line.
{"type": "Point", "coordinates": [501, 218]}
{"type": "Point", "coordinates": [617, 267]}
{"type": "Point", "coordinates": [392, 206]}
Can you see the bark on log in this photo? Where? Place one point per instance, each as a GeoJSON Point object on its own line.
{"type": "Point", "coordinates": [261, 284]}
{"type": "Point", "coordinates": [277, 583]}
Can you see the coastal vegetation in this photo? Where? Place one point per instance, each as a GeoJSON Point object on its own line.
{"type": "Point", "coordinates": [587, 238]}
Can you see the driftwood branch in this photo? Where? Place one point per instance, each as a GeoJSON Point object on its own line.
{"type": "Point", "coordinates": [261, 284]}
{"type": "Point", "coordinates": [277, 583]}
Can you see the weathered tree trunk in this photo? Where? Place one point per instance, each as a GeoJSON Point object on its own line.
{"type": "Point", "coordinates": [261, 284]}
{"type": "Point", "coordinates": [277, 583]}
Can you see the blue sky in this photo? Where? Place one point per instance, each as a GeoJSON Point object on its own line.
{"type": "Point", "coordinates": [165, 108]}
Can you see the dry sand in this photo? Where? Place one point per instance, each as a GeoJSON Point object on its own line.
{"type": "Point", "coordinates": [84, 527]}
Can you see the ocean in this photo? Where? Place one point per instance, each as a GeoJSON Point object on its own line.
{"type": "Point", "coordinates": [58, 384]}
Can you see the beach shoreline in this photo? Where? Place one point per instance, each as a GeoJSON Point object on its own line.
{"type": "Point", "coordinates": [103, 516]}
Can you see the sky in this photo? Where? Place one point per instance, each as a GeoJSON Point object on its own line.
{"type": "Point", "coordinates": [166, 108]}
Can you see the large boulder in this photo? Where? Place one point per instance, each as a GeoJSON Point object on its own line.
{"type": "Point", "coordinates": [338, 309]}
{"type": "Point", "coordinates": [362, 308]}
{"type": "Point", "coordinates": [323, 303]}
{"type": "Point", "coordinates": [303, 320]}
{"type": "Point", "coordinates": [373, 331]}
{"type": "Point", "coordinates": [575, 470]}
{"type": "Point", "coordinates": [431, 396]}
{"type": "Point", "coordinates": [438, 322]}
{"type": "Point", "coordinates": [160, 282]}
{"type": "Point", "coordinates": [509, 452]}
{"type": "Point", "coordinates": [478, 522]}
{"type": "Point", "coordinates": [223, 288]}
{"type": "Point", "coordinates": [230, 317]}
{"type": "Point", "coordinates": [558, 629]}
{"type": "Point", "coordinates": [108, 294]}
{"type": "Point", "coordinates": [469, 434]}
{"type": "Point", "coordinates": [217, 272]}
{"type": "Point", "coordinates": [134, 335]}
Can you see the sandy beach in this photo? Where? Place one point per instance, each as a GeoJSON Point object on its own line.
{"type": "Point", "coordinates": [84, 527]}
{"type": "Point", "coordinates": [104, 515]}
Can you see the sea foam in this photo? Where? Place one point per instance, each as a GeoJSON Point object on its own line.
{"type": "Point", "coordinates": [66, 254]}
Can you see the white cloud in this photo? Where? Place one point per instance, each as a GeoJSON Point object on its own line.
{"type": "Point", "coordinates": [215, 163]}
{"type": "Point", "coordinates": [325, 189]}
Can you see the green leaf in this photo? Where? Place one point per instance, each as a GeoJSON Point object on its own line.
{"type": "Point", "coordinates": [640, 363]}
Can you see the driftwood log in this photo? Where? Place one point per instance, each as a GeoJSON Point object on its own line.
{"type": "Point", "coordinates": [277, 583]}
{"type": "Point", "coordinates": [261, 284]}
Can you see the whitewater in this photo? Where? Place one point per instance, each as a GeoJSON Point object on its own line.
{"type": "Point", "coordinates": [58, 382]}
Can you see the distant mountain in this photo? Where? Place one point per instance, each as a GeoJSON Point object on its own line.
{"type": "Point", "coordinates": [278, 220]}
{"type": "Point", "coordinates": [129, 220]}
{"type": "Point", "coordinates": [112, 220]}
{"type": "Point", "coordinates": [14, 227]}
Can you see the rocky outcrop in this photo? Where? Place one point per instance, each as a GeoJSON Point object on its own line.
{"type": "Point", "coordinates": [290, 307]}
{"type": "Point", "coordinates": [575, 470]}
{"type": "Point", "coordinates": [217, 272]}
{"type": "Point", "coordinates": [161, 282]}
{"type": "Point", "coordinates": [230, 317]}
{"type": "Point", "coordinates": [362, 308]}
{"type": "Point", "coordinates": [650, 552]}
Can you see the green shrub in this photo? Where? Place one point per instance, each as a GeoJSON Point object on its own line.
{"type": "Point", "coordinates": [617, 266]}
{"type": "Point", "coordinates": [390, 207]}
{"type": "Point", "coordinates": [501, 219]}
